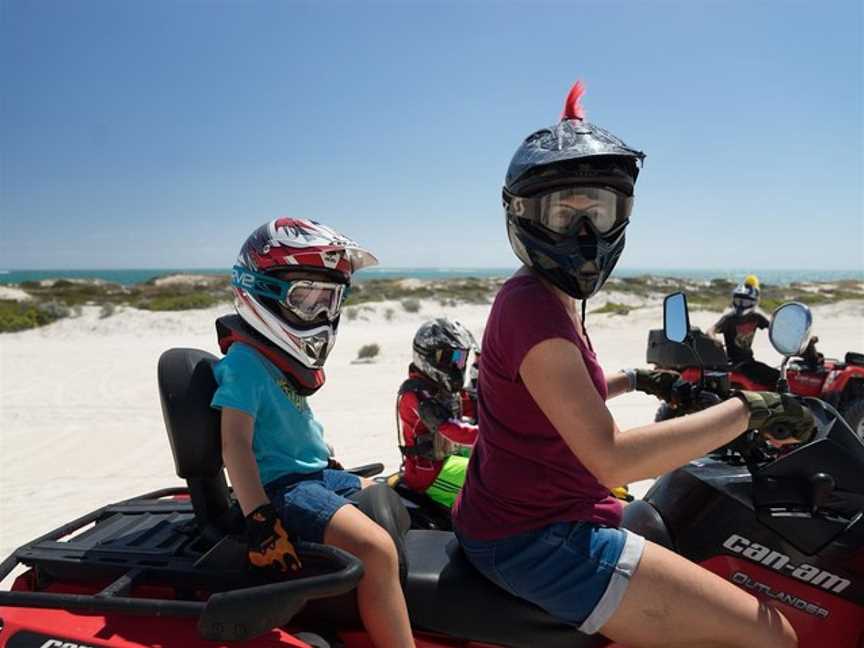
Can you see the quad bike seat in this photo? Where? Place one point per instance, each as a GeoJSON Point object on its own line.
{"type": "Point", "coordinates": [446, 594]}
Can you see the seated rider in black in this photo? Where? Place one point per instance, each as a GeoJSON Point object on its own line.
{"type": "Point", "coordinates": [738, 327]}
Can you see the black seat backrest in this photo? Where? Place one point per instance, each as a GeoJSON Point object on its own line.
{"type": "Point", "coordinates": [186, 387]}
{"type": "Point", "coordinates": [853, 358]}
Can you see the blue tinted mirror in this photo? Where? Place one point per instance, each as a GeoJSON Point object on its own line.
{"type": "Point", "coordinates": [790, 328]}
{"type": "Point", "coordinates": [676, 321]}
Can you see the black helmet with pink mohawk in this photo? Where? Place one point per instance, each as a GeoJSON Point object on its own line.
{"type": "Point", "coordinates": [571, 153]}
{"type": "Point", "coordinates": [297, 347]}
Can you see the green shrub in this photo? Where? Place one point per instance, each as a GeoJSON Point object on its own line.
{"type": "Point", "coordinates": [179, 302]}
{"type": "Point", "coordinates": [351, 314]}
{"type": "Point", "coordinates": [411, 305]}
{"type": "Point", "coordinates": [388, 314]}
{"type": "Point", "coordinates": [107, 310]}
{"type": "Point", "coordinates": [56, 310]}
{"type": "Point", "coordinates": [368, 351]}
{"type": "Point", "coordinates": [613, 309]}
{"type": "Point", "coordinates": [15, 316]}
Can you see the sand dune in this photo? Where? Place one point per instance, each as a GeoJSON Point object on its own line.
{"type": "Point", "coordinates": [81, 425]}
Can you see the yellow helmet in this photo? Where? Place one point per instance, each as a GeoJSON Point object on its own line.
{"type": "Point", "coordinates": [752, 281]}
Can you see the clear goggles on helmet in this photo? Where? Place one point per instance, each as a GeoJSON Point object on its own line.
{"type": "Point", "coordinates": [564, 211]}
{"type": "Point", "coordinates": [308, 300]}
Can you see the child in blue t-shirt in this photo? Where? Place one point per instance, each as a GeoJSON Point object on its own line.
{"type": "Point", "coordinates": [289, 283]}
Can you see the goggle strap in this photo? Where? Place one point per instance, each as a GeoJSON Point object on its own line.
{"type": "Point", "coordinates": [259, 284]}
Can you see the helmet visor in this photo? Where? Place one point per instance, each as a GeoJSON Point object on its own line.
{"type": "Point", "coordinates": [448, 359]}
{"type": "Point", "coordinates": [565, 211]}
{"type": "Point", "coordinates": [743, 302]}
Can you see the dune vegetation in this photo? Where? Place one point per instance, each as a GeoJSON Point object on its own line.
{"type": "Point", "coordinates": [54, 299]}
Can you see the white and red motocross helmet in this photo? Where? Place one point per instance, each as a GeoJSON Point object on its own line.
{"type": "Point", "coordinates": [262, 298]}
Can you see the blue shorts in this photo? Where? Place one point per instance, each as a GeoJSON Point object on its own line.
{"type": "Point", "coordinates": [306, 503]}
{"type": "Point", "coordinates": [576, 571]}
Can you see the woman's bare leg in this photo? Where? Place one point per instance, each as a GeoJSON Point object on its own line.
{"type": "Point", "coordinates": [379, 594]}
{"type": "Point", "coordinates": [673, 602]}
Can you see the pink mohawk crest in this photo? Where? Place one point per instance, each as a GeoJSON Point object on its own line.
{"type": "Point", "coordinates": [572, 105]}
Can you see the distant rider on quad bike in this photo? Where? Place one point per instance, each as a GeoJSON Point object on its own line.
{"type": "Point", "coordinates": [536, 516]}
{"type": "Point", "coordinates": [738, 326]}
{"type": "Point", "coordinates": [434, 439]}
{"type": "Point", "coordinates": [289, 282]}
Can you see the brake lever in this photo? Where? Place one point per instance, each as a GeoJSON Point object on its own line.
{"type": "Point", "coordinates": [691, 397]}
{"type": "Point", "coordinates": [682, 394]}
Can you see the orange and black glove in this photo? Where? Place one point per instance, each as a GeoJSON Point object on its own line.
{"type": "Point", "coordinates": [270, 551]}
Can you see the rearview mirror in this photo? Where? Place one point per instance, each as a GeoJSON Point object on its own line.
{"type": "Point", "coordinates": [676, 320]}
{"type": "Point", "coordinates": [790, 328]}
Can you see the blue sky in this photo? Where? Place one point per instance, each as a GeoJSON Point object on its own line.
{"type": "Point", "coordinates": [159, 134]}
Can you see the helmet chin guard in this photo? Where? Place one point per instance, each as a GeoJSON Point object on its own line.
{"type": "Point", "coordinates": [231, 329]}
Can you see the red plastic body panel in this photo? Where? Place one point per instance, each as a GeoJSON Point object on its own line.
{"type": "Point", "coordinates": [66, 629]}
{"type": "Point", "coordinates": [739, 381]}
{"type": "Point", "coordinates": [819, 617]}
{"type": "Point", "coordinates": [838, 380]}
{"type": "Point", "coordinates": [61, 629]}
{"type": "Point", "coordinates": [806, 383]}
{"type": "Point", "coordinates": [841, 627]}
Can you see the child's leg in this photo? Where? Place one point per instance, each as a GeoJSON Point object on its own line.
{"type": "Point", "coordinates": [379, 594]}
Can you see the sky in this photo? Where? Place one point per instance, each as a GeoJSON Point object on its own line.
{"type": "Point", "coordinates": [159, 134]}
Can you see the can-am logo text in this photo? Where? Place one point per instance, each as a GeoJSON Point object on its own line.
{"type": "Point", "coordinates": [783, 564]}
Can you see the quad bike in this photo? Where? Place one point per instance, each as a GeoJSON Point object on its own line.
{"type": "Point", "coordinates": [809, 373]}
{"type": "Point", "coordinates": [167, 568]}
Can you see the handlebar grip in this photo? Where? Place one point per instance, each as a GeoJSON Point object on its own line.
{"type": "Point", "coordinates": [778, 431]}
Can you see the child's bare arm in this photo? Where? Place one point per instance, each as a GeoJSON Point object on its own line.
{"type": "Point", "coordinates": [237, 429]}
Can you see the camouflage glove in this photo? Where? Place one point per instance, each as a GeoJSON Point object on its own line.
{"type": "Point", "coordinates": [656, 383]}
{"type": "Point", "coordinates": [270, 551]}
{"type": "Point", "coordinates": [778, 416]}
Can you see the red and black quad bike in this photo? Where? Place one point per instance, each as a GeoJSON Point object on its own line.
{"type": "Point", "coordinates": [166, 569]}
{"type": "Point", "coordinates": [839, 383]}
{"type": "Point", "coordinates": [809, 373]}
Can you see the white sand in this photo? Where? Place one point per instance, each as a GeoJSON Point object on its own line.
{"type": "Point", "coordinates": [188, 280]}
{"type": "Point", "coordinates": [81, 424]}
{"type": "Point", "coordinates": [14, 294]}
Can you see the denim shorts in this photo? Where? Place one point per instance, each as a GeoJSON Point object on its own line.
{"type": "Point", "coordinates": [306, 503]}
{"type": "Point", "coordinates": [576, 571]}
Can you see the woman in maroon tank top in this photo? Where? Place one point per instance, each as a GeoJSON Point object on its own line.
{"type": "Point", "coordinates": [536, 516]}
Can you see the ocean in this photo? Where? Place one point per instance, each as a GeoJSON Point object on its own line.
{"type": "Point", "coordinates": [133, 276]}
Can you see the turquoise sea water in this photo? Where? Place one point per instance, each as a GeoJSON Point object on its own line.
{"type": "Point", "coordinates": [128, 277]}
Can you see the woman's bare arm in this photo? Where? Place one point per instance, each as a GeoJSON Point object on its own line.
{"type": "Point", "coordinates": [237, 430]}
{"type": "Point", "coordinates": [555, 375]}
{"type": "Point", "coordinates": [616, 384]}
